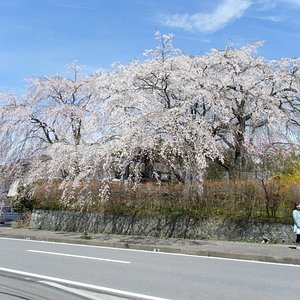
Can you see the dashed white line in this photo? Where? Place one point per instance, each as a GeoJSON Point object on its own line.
{"type": "Point", "coordinates": [81, 256]}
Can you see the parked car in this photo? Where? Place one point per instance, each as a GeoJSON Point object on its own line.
{"type": "Point", "coordinates": [7, 214]}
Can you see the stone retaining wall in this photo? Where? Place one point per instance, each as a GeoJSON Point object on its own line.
{"type": "Point", "coordinates": [161, 227]}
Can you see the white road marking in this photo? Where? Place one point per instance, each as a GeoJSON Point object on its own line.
{"type": "Point", "coordinates": [80, 256]}
{"type": "Point", "coordinates": [85, 285]}
{"type": "Point", "coordinates": [83, 293]}
{"type": "Point", "coordinates": [157, 253]}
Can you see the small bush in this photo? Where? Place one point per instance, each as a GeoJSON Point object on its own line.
{"type": "Point", "coordinates": [24, 201]}
{"type": "Point", "coordinates": [23, 222]}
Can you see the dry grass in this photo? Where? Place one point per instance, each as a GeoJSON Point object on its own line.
{"type": "Point", "coordinates": [222, 199]}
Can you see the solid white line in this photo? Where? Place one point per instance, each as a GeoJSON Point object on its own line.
{"type": "Point", "coordinates": [250, 261]}
{"type": "Point", "coordinates": [83, 293]}
{"type": "Point", "coordinates": [80, 256]}
{"type": "Point", "coordinates": [84, 285]}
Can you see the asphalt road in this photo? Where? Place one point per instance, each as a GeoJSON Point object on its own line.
{"type": "Point", "coordinates": [137, 274]}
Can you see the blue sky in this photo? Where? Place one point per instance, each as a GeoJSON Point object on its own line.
{"type": "Point", "coordinates": [39, 37]}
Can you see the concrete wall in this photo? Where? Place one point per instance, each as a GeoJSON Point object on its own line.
{"type": "Point", "coordinates": [161, 227]}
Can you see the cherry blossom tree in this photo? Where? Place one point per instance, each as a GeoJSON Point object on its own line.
{"type": "Point", "coordinates": [56, 127]}
{"type": "Point", "coordinates": [170, 110]}
{"type": "Point", "coordinates": [153, 109]}
{"type": "Point", "coordinates": [243, 96]}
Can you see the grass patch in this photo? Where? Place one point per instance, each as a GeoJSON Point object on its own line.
{"type": "Point", "coordinates": [85, 236]}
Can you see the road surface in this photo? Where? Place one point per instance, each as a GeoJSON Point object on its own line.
{"type": "Point", "coordinates": [137, 274]}
{"type": "Point", "coordinates": [13, 286]}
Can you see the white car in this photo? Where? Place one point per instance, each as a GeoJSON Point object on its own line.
{"type": "Point", "coordinates": [7, 214]}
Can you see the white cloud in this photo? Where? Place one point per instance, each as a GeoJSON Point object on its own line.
{"type": "Point", "coordinates": [273, 12]}
{"type": "Point", "coordinates": [296, 2]}
{"type": "Point", "coordinates": [272, 18]}
{"type": "Point", "coordinates": [270, 4]}
{"type": "Point", "coordinates": [226, 12]}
